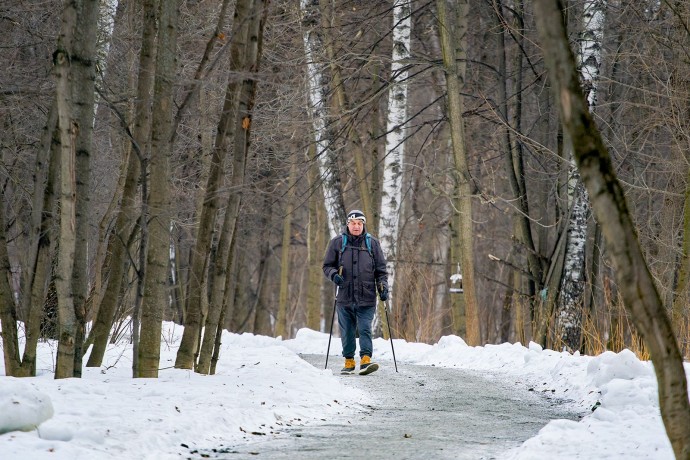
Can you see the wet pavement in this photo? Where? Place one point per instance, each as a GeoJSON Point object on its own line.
{"type": "Point", "coordinates": [421, 412]}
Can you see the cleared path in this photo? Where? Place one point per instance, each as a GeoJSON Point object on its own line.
{"type": "Point", "coordinates": [421, 412]}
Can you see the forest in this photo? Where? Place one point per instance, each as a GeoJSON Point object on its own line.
{"type": "Point", "coordinates": [524, 165]}
{"type": "Point", "coordinates": [189, 161]}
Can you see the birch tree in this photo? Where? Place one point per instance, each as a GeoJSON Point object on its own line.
{"type": "Point", "coordinates": [317, 95]}
{"type": "Point", "coordinates": [391, 187]}
{"type": "Point", "coordinates": [636, 284]}
{"type": "Point", "coordinates": [571, 293]}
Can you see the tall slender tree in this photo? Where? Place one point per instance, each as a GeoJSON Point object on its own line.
{"type": "Point", "coordinates": [635, 282]}
{"type": "Point", "coordinates": [126, 217]}
{"type": "Point", "coordinates": [227, 240]}
{"type": "Point", "coordinates": [317, 91]}
{"type": "Point", "coordinates": [68, 128]}
{"type": "Point", "coordinates": [452, 32]}
{"type": "Point", "coordinates": [157, 255]}
{"type": "Point", "coordinates": [391, 187]}
{"type": "Point", "coordinates": [571, 292]}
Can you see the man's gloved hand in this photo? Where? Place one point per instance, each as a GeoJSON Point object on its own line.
{"type": "Point", "coordinates": [383, 294]}
{"type": "Point", "coordinates": [338, 280]}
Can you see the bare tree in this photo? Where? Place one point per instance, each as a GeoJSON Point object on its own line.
{"type": "Point", "coordinates": [317, 91]}
{"type": "Point", "coordinates": [227, 240]}
{"type": "Point", "coordinates": [608, 200]}
{"type": "Point", "coordinates": [8, 316]}
{"type": "Point", "coordinates": [126, 216]}
{"type": "Point", "coordinates": [452, 31]}
{"type": "Point", "coordinates": [391, 187]}
{"type": "Point", "coordinates": [157, 257]}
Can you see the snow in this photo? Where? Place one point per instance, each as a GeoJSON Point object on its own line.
{"type": "Point", "coordinates": [262, 386]}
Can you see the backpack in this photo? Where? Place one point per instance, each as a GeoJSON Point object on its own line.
{"type": "Point", "coordinates": [367, 241]}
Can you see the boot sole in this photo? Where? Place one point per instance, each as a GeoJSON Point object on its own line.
{"type": "Point", "coordinates": [373, 367]}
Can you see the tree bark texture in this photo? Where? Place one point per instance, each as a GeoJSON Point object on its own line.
{"type": "Point", "coordinates": [315, 248]}
{"type": "Point", "coordinates": [67, 239]}
{"type": "Point", "coordinates": [158, 251]}
{"type": "Point", "coordinates": [341, 107]}
{"type": "Point", "coordinates": [127, 214]}
{"type": "Point", "coordinates": [225, 138]}
{"type": "Point", "coordinates": [42, 258]}
{"type": "Point", "coordinates": [317, 88]}
{"type": "Point", "coordinates": [572, 288]}
{"type": "Point", "coordinates": [572, 285]}
{"type": "Point", "coordinates": [282, 326]}
{"type": "Point", "coordinates": [241, 143]}
{"type": "Point", "coordinates": [635, 282]}
{"type": "Point", "coordinates": [463, 202]}
{"type": "Point", "coordinates": [391, 187]}
{"type": "Point", "coordinates": [83, 90]}
{"type": "Point", "coordinates": [8, 313]}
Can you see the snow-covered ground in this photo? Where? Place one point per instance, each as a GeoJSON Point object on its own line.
{"type": "Point", "coordinates": [262, 386]}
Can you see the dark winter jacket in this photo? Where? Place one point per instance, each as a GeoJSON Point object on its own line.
{"type": "Point", "coordinates": [363, 273]}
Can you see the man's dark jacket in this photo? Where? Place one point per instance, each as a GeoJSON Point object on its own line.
{"type": "Point", "coordinates": [362, 272]}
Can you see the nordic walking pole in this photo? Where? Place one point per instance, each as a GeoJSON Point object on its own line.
{"type": "Point", "coordinates": [328, 350]}
{"type": "Point", "coordinates": [390, 335]}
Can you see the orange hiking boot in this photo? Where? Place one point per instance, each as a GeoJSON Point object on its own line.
{"type": "Point", "coordinates": [349, 366]}
{"type": "Point", "coordinates": [366, 366]}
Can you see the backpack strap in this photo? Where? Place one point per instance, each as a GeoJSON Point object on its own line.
{"type": "Point", "coordinates": [367, 241]}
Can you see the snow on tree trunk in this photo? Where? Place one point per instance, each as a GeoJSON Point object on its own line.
{"type": "Point", "coordinates": [571, 299]}
{"type": "Point", "coordinates": [391, 189]}
{"type": "Point", "coordinates": [317, 93]}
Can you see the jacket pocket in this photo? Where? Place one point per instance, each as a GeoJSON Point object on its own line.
{"type": "Point", "coordinates": [368, 293]}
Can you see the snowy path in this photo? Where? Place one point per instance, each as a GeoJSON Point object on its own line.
{"type": "Point", "coordinates": [420, 412]}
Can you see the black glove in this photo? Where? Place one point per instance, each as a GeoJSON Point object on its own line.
{"type": "Point", "coordinates": [383, 294]}
{"type": "Point", "coordinates": [338, 280]}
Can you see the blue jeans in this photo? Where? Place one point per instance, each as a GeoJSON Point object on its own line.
{"type": "Point", "coordinates": [353, 319]}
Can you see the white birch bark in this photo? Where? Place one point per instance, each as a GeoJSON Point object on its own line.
{"type": "Point", "coordinates": [317, 96]}
{"type": "Point", "coordinates": [573, 279]}
{"type": "Point", "coordinates": [391, 188]}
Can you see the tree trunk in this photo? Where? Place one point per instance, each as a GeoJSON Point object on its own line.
{"type": "Point", "coordinates": [318, 112]}
{"type": "Point", "coordinates": [225, 138]}
{"type": "Point", "coordinates": [455, 75]}
{"type": "Point", "coordinates": [126, 216]}
{"type": "Point", "coordinates": [315, 248]}
{"type": "Point", "coordinates": [391, 188]}
{"type": "Point", "coordinates": [8, 314]}
{"type": "Point", "coordinates": [83, 90]}
{"type": "Point", "coordinates": [228, 236]}
{"type": "Point", "coordinates": [571, 295]}
{"type": "Point", "coordinates": [42, 261]}
{"type": "Point", "coordinates": [341, 107]}
{"type": "Point", "coordinates": [570, 300]}
{"type": "Point", "coordinates": [636, 284]}
{"type": "Point", "coordinates": [42, 240]}
{"type": "Point", "coordinates": [282, 329]}
{"type": "Point", "coordinates": [262, 314]}
{"type": "Point", "coordinates": [68, 127]}
{"type": "Point", "coordinates": [158, 250]}
{"type": "Point", "coordinates": [514, 161]}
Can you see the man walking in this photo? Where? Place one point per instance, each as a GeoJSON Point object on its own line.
{"type": "Point", "coordinates": [355, 262]}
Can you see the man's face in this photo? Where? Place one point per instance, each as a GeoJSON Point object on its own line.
{"type": "Point", "coordinates": [356, 227]}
